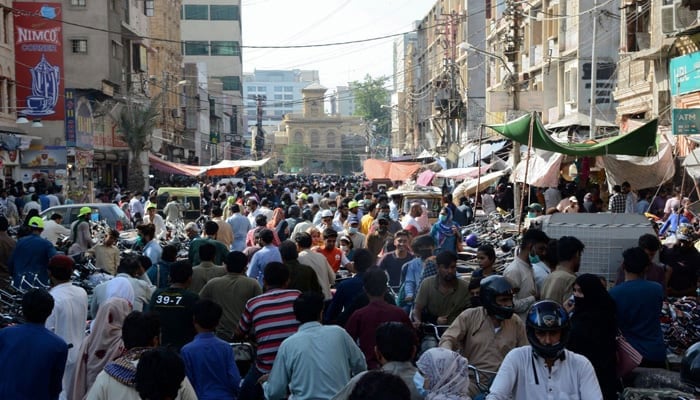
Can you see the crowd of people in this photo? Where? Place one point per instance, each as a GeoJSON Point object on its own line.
{"type": "Point", "coordinates": [333, 282]}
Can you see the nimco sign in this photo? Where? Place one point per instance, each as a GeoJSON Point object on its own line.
{"type": "Point", "coordinates": [39, 60]}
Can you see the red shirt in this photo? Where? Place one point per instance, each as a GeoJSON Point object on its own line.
{"type": "Point", "coordinates": [334, 256]}
{"type": "Point", "coordinates": [364, 322]}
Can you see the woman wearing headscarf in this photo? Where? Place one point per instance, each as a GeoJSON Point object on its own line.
{"type": "Point", "coordinates": [446, 233]}
{"type": "Point", "coordinates": [593, 331]}
{"type": "Point", "coordinates": [445, 374]}
{"type": "Point", "coordinates": [103, 344]}
{"type": "Point", "coordinates": [278, 224]}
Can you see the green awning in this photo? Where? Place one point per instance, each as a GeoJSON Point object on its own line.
{"type": "Point", "coordinates": [640, 142]}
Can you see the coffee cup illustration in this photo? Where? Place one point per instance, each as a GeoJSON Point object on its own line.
{"type": "Point", "coordinates": [37, 102]}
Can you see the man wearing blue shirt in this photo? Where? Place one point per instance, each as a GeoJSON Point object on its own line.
{"type": "Point", "coordinates": [31, 256]}
{"type": "Point", "coordinates": [313, 348]}
{"type": "Point", "coordinates": [267, 254]}
{"type": "Point", "coordinates": [638, 303]}
{"type": "Point", "coordinates": [209, 361]}
{"type": "Point", "coordinates": [34, 358]}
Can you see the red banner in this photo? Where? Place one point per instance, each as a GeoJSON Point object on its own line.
{"type": "Point", "coordinates": [39, 60]}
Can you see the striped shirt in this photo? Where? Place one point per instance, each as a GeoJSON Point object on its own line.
{"type": "Point", "coordinates": [271, 317]}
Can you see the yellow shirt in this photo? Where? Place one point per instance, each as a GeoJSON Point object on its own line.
{"type": "Point", "coordinates": [365, 223]}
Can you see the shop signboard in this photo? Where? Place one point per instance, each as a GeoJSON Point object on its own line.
{"type": "Point", "coordinates": [39, 60]}
{"type": "Point", "coordinates": [685, 74]}
{"type": "Point", "coordinates": [686, 121]}
{"type": "Point", "coordinates": [48, 158]}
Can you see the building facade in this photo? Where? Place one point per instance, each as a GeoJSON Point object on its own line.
{"type": "Point", "coordinates": [281, 90]}
{"type": "Point", "coordinates": [211, 34]}
{"type": "Point", "coordinates": [313, 141]}
{"type": "Point", "coordinates": [342, 101]}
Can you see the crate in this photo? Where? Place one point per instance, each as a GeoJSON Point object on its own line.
{"type": "Point", "coordinates": [606, 236]}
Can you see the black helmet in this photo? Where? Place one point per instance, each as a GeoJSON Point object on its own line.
{"type": "Point", "coordinates": [491, 287]}
{"type": "Point", "coordinates": [547, 315]}
{"type": "Point", "coordinates": [690, 367]}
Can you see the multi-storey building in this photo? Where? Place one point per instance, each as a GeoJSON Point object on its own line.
{"type": "Point", "coordinates": [402, 96]}
{"type": "Point", "coordinates": [658, 67]}
{"type": "Point", "coordinates": [281, 90]}
{"type": "Point", "coordinates": [211, 34]}
{"type": "Point", "coordinates": [166, 80]}
{"type": "Point", "coordinates": [343, 101]}
{"type": "Point", "coordinates": [9, 129]}
{"type": "Point", "coordinates": [65, 71]}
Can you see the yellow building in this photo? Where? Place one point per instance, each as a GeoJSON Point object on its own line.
{"type": "Point", "coordinates": [316, 142]}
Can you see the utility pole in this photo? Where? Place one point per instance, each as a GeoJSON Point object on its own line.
{"type": "Point", "coordinates": [451, 106]}
{"type": "Point", "coordinates": [594, 75]}
{"type": "Point", "coordinates": [259, 132]}
{"type": "Point", "coordinates": [511, 50]}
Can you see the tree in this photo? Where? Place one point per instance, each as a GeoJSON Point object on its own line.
{"type": "Point", "coordinates": [294, 156]}
{"type": "Point", "coordinates": [370, 95]}
{"type": "Point", "coordinates": [136, 119]}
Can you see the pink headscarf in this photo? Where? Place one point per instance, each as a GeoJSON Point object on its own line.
{"type": "Point", "coordinates": [103, 345]}
{"type": "Point", "coordinates": [277, 217]}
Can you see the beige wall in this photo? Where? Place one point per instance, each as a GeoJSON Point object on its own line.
{"type": "Point", "coordinates": [7, 66]}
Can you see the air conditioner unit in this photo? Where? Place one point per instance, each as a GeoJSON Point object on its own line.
{"type": "Point", "coordinates": [676, 17]}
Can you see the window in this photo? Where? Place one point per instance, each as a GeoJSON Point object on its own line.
{"type": "Point", "coordinates": [278, 97]}
{"type": "Point", "coordinates": [314, 139]}
{"type": "Point", "coordinates": [262, 89]}
{"type": "Point", "coordinates": [148, 7]}
{"type": "Point", "coordinates": [79, 46]}
{"type": "Point", "coordinates": [288, 88]}
{"type": "Point", "coordinates": [78, 3]}
{"type": "Point", "coordinates": [278, 88]}
{"type": "Point", "coordinates": [288, 97]}
{"type": "Point", "coordinates": [298, 137]}
{"type": "Point", "coordinates": [116, 49]}
{"type": "Point", "coordinates": [230, 82]}
{"type": "Point", "coordinates": [219, 48]}
{"type": "Point", "coordinates": [330, 139]}
{"type": "Point", "coordinates": [224, 13]}
{"type": "Point", "coordinates": [279, 113]}
{"type": "Point", "coordinates": [196, 12]}
{"type": "Point", "coordinates": [196, 48]}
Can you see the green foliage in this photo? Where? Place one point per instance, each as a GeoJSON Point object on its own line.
{"type": "Point", "coordinates": [295, 155]}
{"type": "Point", "coordinates": [136, 120]}
{"type": "Point", "coordinates": [370, 95]}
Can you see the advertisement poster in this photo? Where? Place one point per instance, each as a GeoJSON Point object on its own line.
{"type": "Point", "coordinates": [39, 60]}
{"type": "Point", "coordinates": [47, 158]}
{"type": "Point", "coordinates": [9, 158]}
{"type": "Point", "coordinates": [79, 121]}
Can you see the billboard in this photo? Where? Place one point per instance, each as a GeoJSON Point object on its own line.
{"type": "Point", "coordinates": [39, 60]}
{"type": "Point", "coordinates": [79, 120]}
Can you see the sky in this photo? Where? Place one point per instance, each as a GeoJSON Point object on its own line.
{"type": "Point", "coordinates": [303, 22]}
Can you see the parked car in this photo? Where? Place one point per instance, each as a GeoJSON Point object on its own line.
{"type": "Point", "coordinates": [109, 212]}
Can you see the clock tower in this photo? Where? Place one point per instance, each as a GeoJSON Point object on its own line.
{"type": "Point", "coordinates": [314, 100]}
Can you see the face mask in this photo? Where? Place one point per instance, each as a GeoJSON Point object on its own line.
{"type": "Point", "coordinates": [352, 230]}
{"type": "Point", "coordinates": [531, 215]}
{"type": "Point", "coordinates": [343, 248]}
{"type": "Point", "coordinates": [419, 383]}
{"type": "Point", "coordinates": [334, 209]}
{"type": "Point", "coordinates": [443, 218]}
{"type": "Point", "coordinates": [534, 258]}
